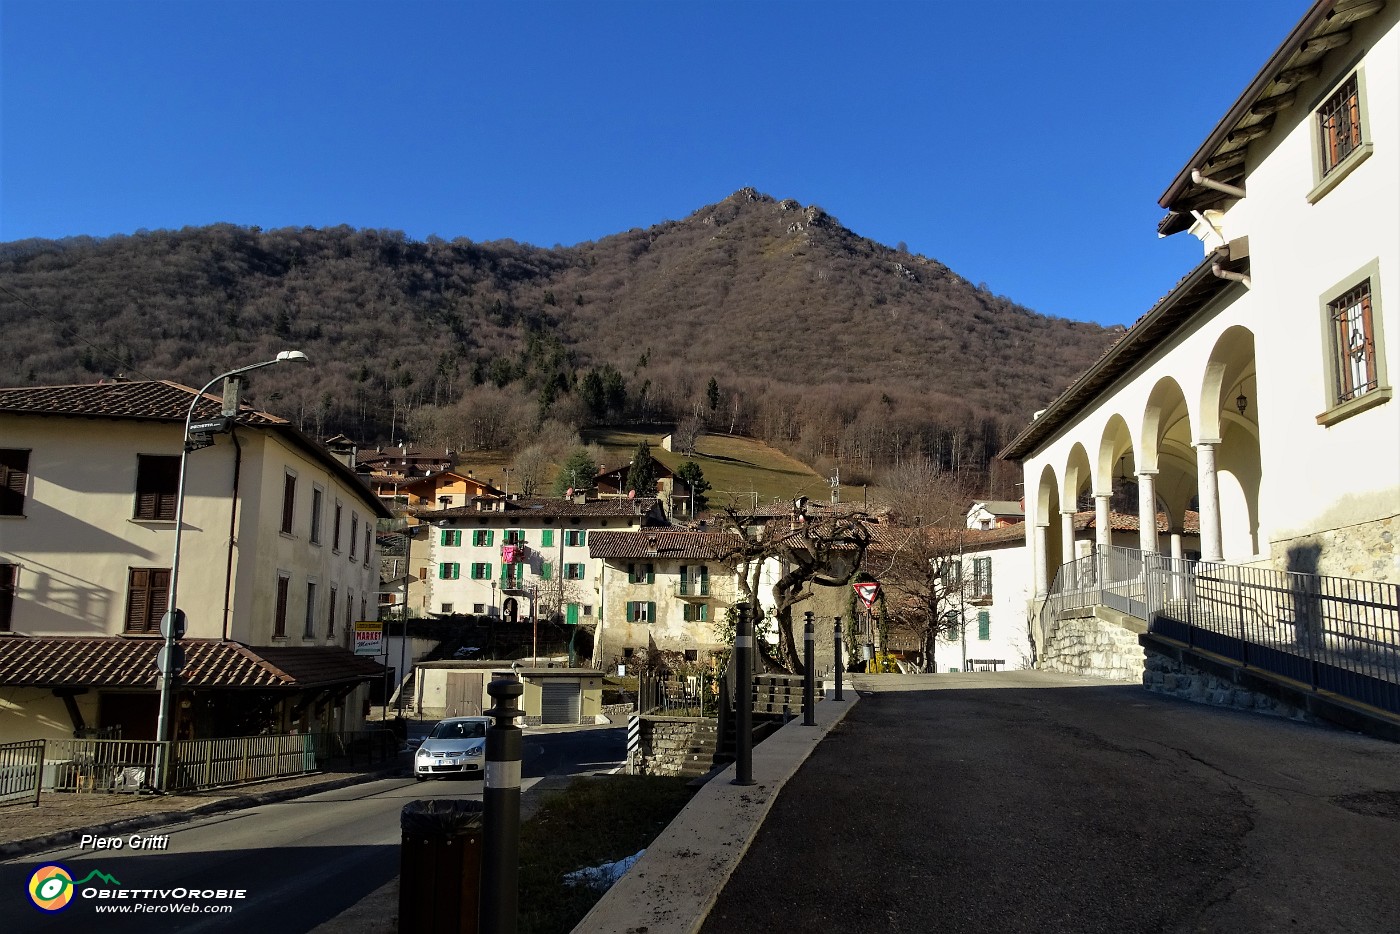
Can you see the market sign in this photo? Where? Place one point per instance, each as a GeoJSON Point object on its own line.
{"type": "Point", "coordinates": [369, 637]}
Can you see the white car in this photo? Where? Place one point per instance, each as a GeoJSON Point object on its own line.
{"type": "Point", "coordinates": [456, 746]}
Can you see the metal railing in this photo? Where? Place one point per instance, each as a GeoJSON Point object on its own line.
{"type": "Point", "coordinates": [1337, 634]}
{"type": "Point", "coordinates": [21, 771]}
{"type": "Point", "coordinates": [106, 765]}
{"type": "Point", "coordinates": [677, 696]}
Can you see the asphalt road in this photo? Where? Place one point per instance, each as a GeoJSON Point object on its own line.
{"type": "Point", "coordinates": [1024, 801]}
{"type": "Point", "coordinates": [301, 862]}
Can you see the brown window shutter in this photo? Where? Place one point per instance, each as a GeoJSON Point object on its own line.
{"type": "Point", "coordinates": [14, 469]}
{"type": "Point", "coordinates": [289, 498]}
{"type": "Point", "coordinates": [280, 626]}
{"type": "Point", "coordinates": [9, 583]}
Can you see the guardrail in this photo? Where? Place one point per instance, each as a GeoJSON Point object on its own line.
{"type": "Point", "coordinates": [112, 765]}
{"type": "Point", "coordinates": [1332, 633]}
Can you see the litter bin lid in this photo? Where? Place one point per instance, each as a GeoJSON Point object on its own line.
{"type": "Point", "coordinates": [441, 817]}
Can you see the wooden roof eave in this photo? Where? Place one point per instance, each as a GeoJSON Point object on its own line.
{"type": "Point", "coordinates": [1324, 27]}
{"type": "Point", "coordinates": [1192, 294]}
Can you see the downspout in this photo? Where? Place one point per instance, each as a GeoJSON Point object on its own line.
{"type": "Point", "coordinates": [232, 528]}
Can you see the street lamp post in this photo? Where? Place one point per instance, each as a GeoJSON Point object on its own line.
{"type": "Point", "coordinates": [168, 625]}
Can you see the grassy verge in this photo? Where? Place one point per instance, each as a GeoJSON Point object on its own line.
{"type": "Point", "coordinates": [593, 821]}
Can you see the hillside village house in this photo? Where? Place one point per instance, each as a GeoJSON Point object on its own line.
{"type": "Point", "coordinates": [995, 514]}
{"type": "Point", "coordinates": [443, 490]}
{"type": "Point", "coordinates": [278, 561]}
{"type": "Point", "coordinates": [673, 493]}
{"type": "Point", "coordinates": [661, 589]}
{"type": "Point", "coordinates": [511, 557]}
{"type": "Point", "coordinates": [1261, 385]}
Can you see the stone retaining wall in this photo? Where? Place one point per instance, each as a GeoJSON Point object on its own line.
{"type": "Point", "coordinates": [1094, 648]}
{"type": "Point", "coordinates": [618, 712]}
{"type": "Point", "coordinates": [1167, 675]}
{"type": "Point", "coordinates": [665, 741]}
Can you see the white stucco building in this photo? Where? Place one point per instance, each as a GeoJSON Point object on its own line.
{"type": "Point", "coordinates": [278, 561]}
{"type": "Point", "coordinates": [1261, 385]}
{"type": "Point", "coordinates": [662, 589]}
{"type": "Point", "coordinates": [507, 557]}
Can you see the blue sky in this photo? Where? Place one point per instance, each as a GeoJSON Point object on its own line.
{"type": "Point", "coordinates": [1024, 144]}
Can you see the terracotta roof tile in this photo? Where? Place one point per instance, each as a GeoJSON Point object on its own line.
{"type": "Point", "coordinates": [548, 509]}
{"type": "Point", "coordinates": [160, 400]}
{"type": "Point", "coordinates": [661, 544]}
{"type": "Point", "coordinates": [131, 663]}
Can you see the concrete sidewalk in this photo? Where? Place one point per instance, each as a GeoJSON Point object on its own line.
{"type": "Point", "coordinates": [672, 887]}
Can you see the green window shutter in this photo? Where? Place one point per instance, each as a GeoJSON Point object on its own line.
{"type": "Point", "coordinates": [685, 582]}
{"type": "Point", "coordinates": [571, 614]}
{"type": "Point", "coordinates": [651, 612]}
{"type": "Point", "coordinates": [984, 625]}
{"type": "Point", "coordinates": [704, 613]}
{"type": "Point", "coordinates": [487, 569]}
{"type": "Point", "coordinates": [631, 611]}
{"type": "Point", "coordinates": [583, 537]}
{"type": "Point", "coordinates": [651, 574]}
{"type": "Point", "coordinates": [546, 572]}
{"type": "Point", "coordinates": [490, 537]}
{"type": "Point", "coordinates": [631, 573]}
{"type": "Point", "coordinates": [445, 536]}
{"type": "Point", "coordinates": [704, 581]}
{"type": "Point", "coordinates": [547, 541]}
{"type": "Point", "coordinates": [505, 574]}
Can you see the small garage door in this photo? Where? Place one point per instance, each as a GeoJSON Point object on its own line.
{"type": "Point", "coordinates": [559, 701]}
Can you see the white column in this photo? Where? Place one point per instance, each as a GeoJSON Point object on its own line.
{"type": "Point", "coordinates": [1147, 511]}
{"type": "Point", "coordinates": [1177, 553]}
{"type": "Point", "coordinates": [1103, 525]}
{"type": "Point", "coordinates": [1042, 567]}
{"type": "Point", "coordinates": [1067, 537]}
{"type": "Point", "coordinates": [1208, 492]}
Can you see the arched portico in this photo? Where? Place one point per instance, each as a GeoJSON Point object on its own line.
{"type": "Point", "coordinates": [1049, 554]}
{"type": "Point", "coordinates": [1167, 447]}
{"type": "Point", "coordinates": [1227, 448]}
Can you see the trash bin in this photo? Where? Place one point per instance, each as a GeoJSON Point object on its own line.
{"type": "Point", "coordinates": [440, 866]}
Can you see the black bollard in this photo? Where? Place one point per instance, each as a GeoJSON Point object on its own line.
{"type": "Point", "coordinates": [500, 871]}
{"type": "Point", "coordinates": [743, 697]}
{"type": "Point", "coordinates": [839, 652]}
{"type": "Point", "coordinates": [809, 662]}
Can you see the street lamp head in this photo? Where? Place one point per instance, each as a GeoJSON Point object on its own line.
{"type": "Point", "coordinates": [292, 356]}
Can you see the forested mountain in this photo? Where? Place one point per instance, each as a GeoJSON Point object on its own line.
{"type": "Point", "coordinates": [756, 315]}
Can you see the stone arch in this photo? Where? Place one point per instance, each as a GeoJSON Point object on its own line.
{"type": "Point", "coordinates": [1167, 445]}
{"type": "Point", "coordinates": [1229, 421]}
{"type": "Point", "coordinates": [1046, 540]}
{"type": "Point", "coordinates": [1116, 445]}
{"type": "Point", "coordinates": [1078, 476]}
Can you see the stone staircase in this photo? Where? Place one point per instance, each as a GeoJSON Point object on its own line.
{"type": "Point", "coordinates": [704, 751]}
